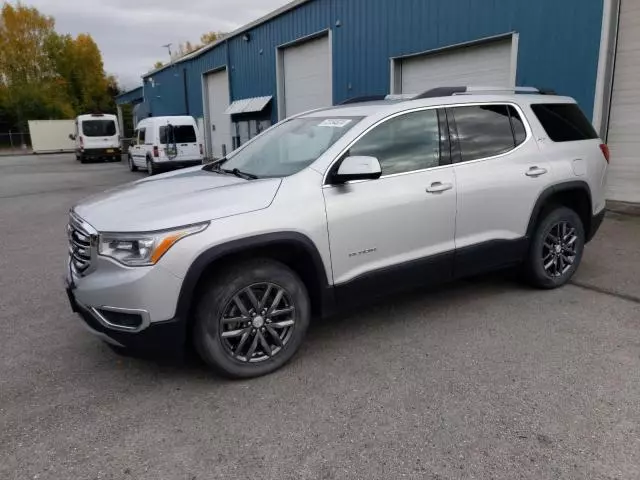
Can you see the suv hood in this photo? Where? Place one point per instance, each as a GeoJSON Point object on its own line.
{"type": "Point", "coordinates": [175, 199]}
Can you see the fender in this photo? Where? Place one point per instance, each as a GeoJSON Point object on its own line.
{"type": "Point", "coordinates": [205, 259]}
{"type": "Point", "coordinates": [553, 190]}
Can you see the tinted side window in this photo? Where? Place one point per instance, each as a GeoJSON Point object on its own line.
{"type": "Point", "coordinates": [564, 122]}
{"type": "Point", "coordinates": [519, 131]}
{"type": "Point", "coordinates": [403, 144]}
{"type": "Point", "coordinates": [142, 135]}
{"type": "Point", "coordinates": [483, 131]}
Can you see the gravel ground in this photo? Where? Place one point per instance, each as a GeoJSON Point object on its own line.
{"type": "Point", "coordinates": [481, 379]}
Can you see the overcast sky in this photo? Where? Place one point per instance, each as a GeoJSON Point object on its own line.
{"type": "Point", "coordinates": [130, 32]}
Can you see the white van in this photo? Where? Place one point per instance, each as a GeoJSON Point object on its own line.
{"type": "Point", "coordinates": [97, 136]}
{"type": "Point", "coordinates": [163, 143]}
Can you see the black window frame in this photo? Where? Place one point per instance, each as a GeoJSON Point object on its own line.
{"type": "Point", "coordinates": [456, 149]}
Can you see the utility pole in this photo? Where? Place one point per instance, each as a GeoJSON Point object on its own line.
{"type": "Point", "coordinates": [168, 47]}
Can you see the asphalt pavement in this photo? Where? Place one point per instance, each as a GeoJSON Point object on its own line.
{"type": "Point", "coordinates": [482, 379]}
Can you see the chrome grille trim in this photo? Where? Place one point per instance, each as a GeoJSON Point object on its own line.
{"type": "Point", "coordinates": [83, 240]}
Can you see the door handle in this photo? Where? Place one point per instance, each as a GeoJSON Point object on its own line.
{"type": "Point", "coordinates": [439, 187]}
{"type": "Point", "coordinates": [536, 172]}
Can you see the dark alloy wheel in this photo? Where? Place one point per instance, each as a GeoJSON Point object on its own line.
{"type": "Point", "coordinates": [251, 319]}
{"type": "Point", "coordinates": [556, 249]}
{"type": "Point", "coordinates": [559, 249]}
{"type": "Point", "coordinates": [257, 323]}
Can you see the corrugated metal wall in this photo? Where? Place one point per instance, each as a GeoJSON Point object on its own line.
{"type": "Point", "coordinates": [132, 96]}
{"type": "Point", "coordinates": [558, 47]}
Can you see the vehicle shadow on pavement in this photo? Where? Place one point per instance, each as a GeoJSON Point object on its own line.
{"type": "Point", "coordinates": [328, 334]}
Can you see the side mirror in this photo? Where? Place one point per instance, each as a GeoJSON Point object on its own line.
{"type": "Point", "coordinates": [72, 136]}
{"type": "Point", "coordinates": [358, 168]}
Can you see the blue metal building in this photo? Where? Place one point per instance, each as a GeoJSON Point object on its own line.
{"type": "Point", "coordinates": [333, 50]}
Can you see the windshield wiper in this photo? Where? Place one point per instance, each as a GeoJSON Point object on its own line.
{"type": "Point", "coordinates": [240, 174]}
{"type": "Point", "coordinates": [215, 165]}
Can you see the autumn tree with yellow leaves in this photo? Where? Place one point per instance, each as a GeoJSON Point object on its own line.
{"type": "Point", "coordinates": [187, 47]}
{"type": "Point", "coordinates": [47, 75]}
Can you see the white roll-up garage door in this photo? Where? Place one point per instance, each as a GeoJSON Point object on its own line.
{"type": "Point", "coordinates": [485, 64]}
{"type": "Point", "coordinates": [307, 82]}
{"type": "Point", "coordinates": [218, 122]}
{"type": "Point", "coordinates": [624, 122]}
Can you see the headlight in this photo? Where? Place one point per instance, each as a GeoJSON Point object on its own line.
{"type": "Point", "coordinates": [143, 249]}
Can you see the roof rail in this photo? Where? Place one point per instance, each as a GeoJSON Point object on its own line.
{"type": "Point", "coordinates": [450, 91]}
{"type": "Point", "coordinates": [441, 92]}
{"type": "Point", "coordinates": [366, 98]}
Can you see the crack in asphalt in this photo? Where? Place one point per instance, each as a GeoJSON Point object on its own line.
{"type": "Point", "coordinates": [605, 291]}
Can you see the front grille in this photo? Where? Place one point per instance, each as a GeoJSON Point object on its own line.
{"type": "Point", "coordinates": [80, 245]}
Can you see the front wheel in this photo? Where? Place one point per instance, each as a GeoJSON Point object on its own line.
{"type": "Point", "coordinates": [132, 166]}
{"type": "Point", "coordinates": [252, 319]}
{"type": "Point", "coordinates": [556, 249]}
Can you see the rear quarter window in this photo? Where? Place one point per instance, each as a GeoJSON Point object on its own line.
{"type": "Point", "coordinates": [564, 122]}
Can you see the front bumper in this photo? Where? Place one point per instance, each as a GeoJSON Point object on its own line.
{"type": "Point", "coordinates": [167, 337]}
{"type": "Point", "coordinates": [147, 295]}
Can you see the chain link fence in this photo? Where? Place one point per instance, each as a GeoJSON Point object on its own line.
{"type": "Point", "coordinates": [17, 142]}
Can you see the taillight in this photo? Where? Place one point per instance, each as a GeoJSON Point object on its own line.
{"type": "Point", "coordinates": [605, 151]}
{"type": "Point", "coordinates": [201, 150]}
{"type": "Point", "coordinates": [156, 152]}
{"type": "Point", "coordinates": [81, 143]}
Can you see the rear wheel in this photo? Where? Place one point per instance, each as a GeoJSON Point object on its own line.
{"type": "Point", "coordinates": [252, 319]}
{"type": "Point", "coordinates": [83, 158]}
{"type": "Point", "coordinates": [132, 166]}
{"type": "Point", "coordinates": [151, 167]}
{"type": "Point", "coordinates": [556, 249]}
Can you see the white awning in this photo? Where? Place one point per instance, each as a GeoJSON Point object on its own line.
{"type": "Point", "coordinates": [248, 105]}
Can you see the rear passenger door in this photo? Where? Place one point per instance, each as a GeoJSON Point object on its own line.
{"type": "Point", "coordinates": [499, 174]}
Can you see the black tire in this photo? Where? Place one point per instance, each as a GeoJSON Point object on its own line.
{"type": "Point", "coordinates": [83, 159]}
{"type": "Point", "coordinates": [117, 158]}
{"type": "Point", "coordinates": [218, 296]}
{"type": "Point", "coordinates": [132, 166]}
{"type": "Point", "coordinates": [152, 169]}
{"type": "Point", "coordinates": [540, 254]}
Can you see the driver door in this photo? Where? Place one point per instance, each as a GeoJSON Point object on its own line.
{"type": "Point", "coordinates": [396, 231]}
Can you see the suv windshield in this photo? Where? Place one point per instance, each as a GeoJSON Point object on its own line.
{"type": "Point", "coordinates": [99, 128]}
{"type": "Point", "coordinates": [290, 147]}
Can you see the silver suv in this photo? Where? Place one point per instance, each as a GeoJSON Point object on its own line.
{"type": "Point", "coordinates": [332, 207]}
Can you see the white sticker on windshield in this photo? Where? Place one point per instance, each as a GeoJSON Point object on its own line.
{"type": "Point", "coordinates": [335, 122]}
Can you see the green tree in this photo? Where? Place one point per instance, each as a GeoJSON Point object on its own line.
{"type": "Point", "coordinates": [29, 84]}
{"type": "Point", "coordinates": [47, 75]}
